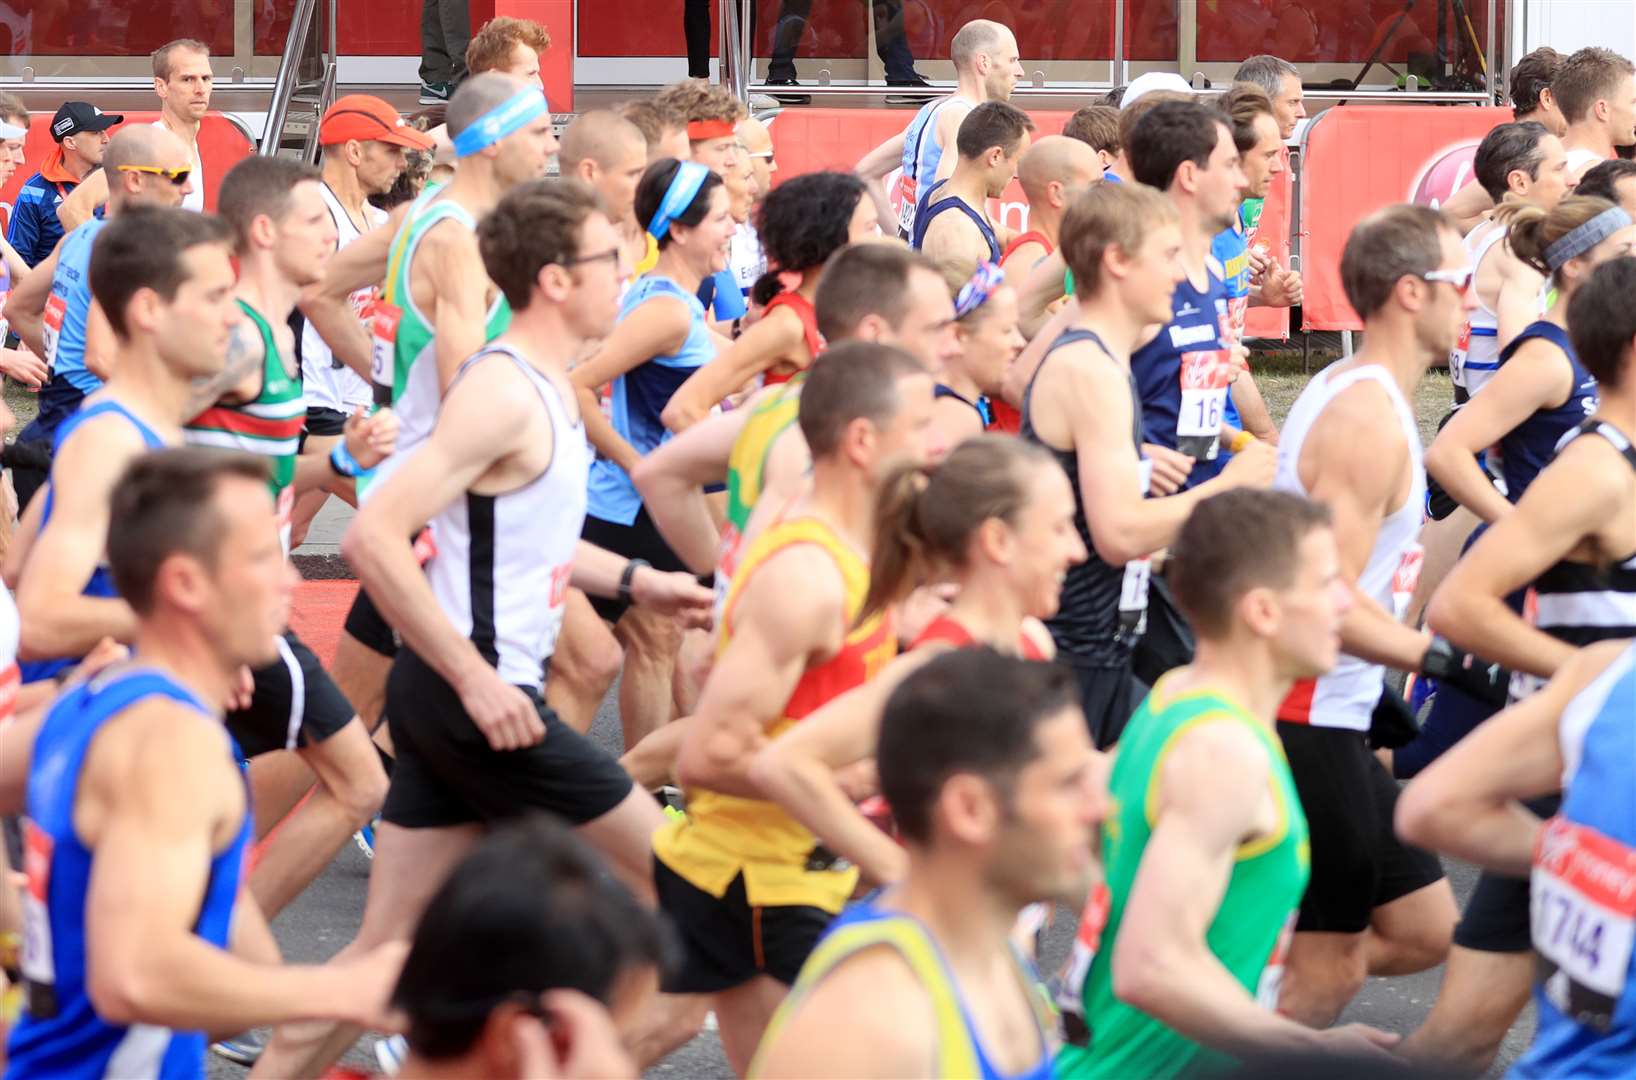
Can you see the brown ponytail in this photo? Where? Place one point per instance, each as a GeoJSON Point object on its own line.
{"type": "Point", "coordinates": [925, 519]}
{"type": "Point", "coordinates": [1533, 231]}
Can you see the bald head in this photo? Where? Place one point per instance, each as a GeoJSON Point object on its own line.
{"type": "Point", "coordinates": [601, 136]}
{"type": "Point", "coordinates": [758, 143]}
{"type": "Point", "coordinates": [476, 96]}
{"type": "Point", "coordinates": [1057, 159]}
{"type": "Point", "coordinates": [978, 37]}
{"type": "Point", "coordinates": [144, 145]}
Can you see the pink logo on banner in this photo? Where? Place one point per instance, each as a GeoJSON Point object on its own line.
{"type": "Point", "coordinates": [1446, 172]}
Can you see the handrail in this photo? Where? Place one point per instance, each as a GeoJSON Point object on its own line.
{"type": "Point", "coordinates": [326, 95]}
{"type": "Point", "coordinates": [288, 71]}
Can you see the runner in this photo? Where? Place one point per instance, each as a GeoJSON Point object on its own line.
{"type": "Point", "coordinates": [50, 309]}
{"type": "Point", "coordinates": [501, 480]}
{"type": "Point", "coordinates": [1051, 171]}
{"type": "Point", "coordinates": [991, 139]}
{"type": "Point", "coordinates": [608, 152]}
{"type": "Point", "coordinates": [183, 80]}
{"type": "Point", "coordinates": [1596, 90]}
{"type": "Point", "coordinates": [802, 224]}
{"type": "Point", "coordinates": [1176, 966]}
{"type": "Point", "coordinates": [996, 519]}
{"type": "Point", "coordinates": [1097, 126]}
{"type": "Point", "coordinates": [1350, 442]}
{"type": "Point", "coordinates": [713, 118]}
{"type": "Point", "coordinates": [1532, 98]}
{"type": "Point", "coordinates": [664, 129]}
{"type": "Point", "coordinates": [1614, 181]}
{"type": "Point", "coordinates": [968, 392]}
{"type": "Point", "coordinates": [662, 338]}
{"type": "Point", "coordinates": [747, 258]}
{"type": "Point", "coordinates": [997, 795]}
{"type": "Point", "coordinates": [1574, 734]}
{"type": "Point", "coordinates": [1184, 373]}
{"type": "Point", "coordinates": [1123, 243]}
{"type": "Point", "coordinates": [365, 144]}
{"type": "Point", "coordinates": [528, 963]}
{"type": "Point", "coordinates": [987, 66]}
{"type": "Point", "coordinates": [745, 884]}
{"type": "Point", "coordinates": [138, 819]}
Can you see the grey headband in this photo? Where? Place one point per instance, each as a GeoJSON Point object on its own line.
{"type": "Point", "coordinates": [1584, 237]}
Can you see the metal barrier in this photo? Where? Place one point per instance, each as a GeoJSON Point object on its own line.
{"type": "Point", "coordinates": [306, 79]}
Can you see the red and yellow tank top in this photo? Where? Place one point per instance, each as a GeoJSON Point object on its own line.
{"type": "Point", "coordinates": [724, 835]}
{"type": "Point", "coordinates": [809, 330]}
{"type": "Point", "coordinates": [948, 631]}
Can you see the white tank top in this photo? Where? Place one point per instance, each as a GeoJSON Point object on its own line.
{"type": "Point", "coordinates": [1346, 697]}
{"type": "Point", "coordinates": [1580, 159]}
{"type": "Point", "coordinates": [327, 386]}
{"type": "Point", "coordinates": [502, 562]}
{"type": "Point", "coordinates": [1476, 357]}
{"type": "Point", "coordinates": [193, 200]}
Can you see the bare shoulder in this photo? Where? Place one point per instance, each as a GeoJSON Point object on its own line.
{"type": "Point", "coordinates": [874, 997]}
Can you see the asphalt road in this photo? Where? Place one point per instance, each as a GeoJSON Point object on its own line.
{"type": "Point", "coordinates": [326, 918]}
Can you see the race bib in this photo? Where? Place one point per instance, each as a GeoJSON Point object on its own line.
{"type": "Point", "coordinates": [726, 565]}
{"type": "Point", "coordinates": [906, 206]}
{"type": "Point", "coordinates": [51, 327]}
{"type": "Point", "coordinates": [383, 324]}
{"type": "Point", "coordinates": [1271, 983]}
{"type": "Point", "coordinates": [558, 598]}
{"type": "Point", "coordinates": [1523, 685]}
{"type": "Point", "coordinates": [425, 546]}
{"type": "Point", "coordinates": [1238, 310]}
{"type": "Point", "coordinates": [39, 966]}
{"type": "Point", "coordinates": [1583, 902]}
{"type": "Point", "coordinates": [1205, 377]}
{"type": "Point", "coordinates": [1406, 577]}
{"type": "Point", "coordinates": [1457, 358]}
{"type": "Point", "coordinates": [1070, 982]}
{"type": "Point", "coordinates": [285, 511]}
{"type": "Point", "coordinates": [1133, 588]}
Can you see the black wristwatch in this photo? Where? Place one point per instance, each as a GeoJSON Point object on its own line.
{"type": "Point", "coordinates": [625, 579]}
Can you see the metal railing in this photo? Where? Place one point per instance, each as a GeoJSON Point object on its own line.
{"type": "Point", "coordinates": [306, 78]}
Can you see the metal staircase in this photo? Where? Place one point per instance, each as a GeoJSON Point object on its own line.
{"type": "Point", "coordinates": [305, 85]}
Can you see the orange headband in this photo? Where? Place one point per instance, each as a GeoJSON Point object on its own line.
{"type": "Point", "coordinates": [700, 130]}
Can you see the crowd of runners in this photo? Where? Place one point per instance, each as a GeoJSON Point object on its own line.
{"type": "Point", "coordinates": [954, 582]}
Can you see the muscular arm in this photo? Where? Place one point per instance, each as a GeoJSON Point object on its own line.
{"type": "Point", "coordinates": [1536, 377]}
{"type": "Point", "coordinates": [240, 374]}
{"type": "Point", "coordinates": [362, 263]}
{"type": "Point", "coordinates": [340, 328]}
{"type": "Point", "coordinates": [56, 619]}
{"type": "Point", "coordinates": [1570, 500]}
{"type": "Point", "coordinates": [777, 335]}
{"type": "Point", "coordinates": [25, 311]}
{"type": "Point", "coordinates": [880, 161]}
{"type": "Point", "coordinates": [1017, 376]}
{"type": "Point", "coordinates": [1465, 803]}
{"type": "Point", "coordinates": [1040, 289]}
{"type": "Point", "coordinates": [456, 277]}
{"type": "Point", "coordinates": [953, 243]}
{"type": "Point", "coordinates": [797, 769]}
{"type": "Point", "coordinates": [101, 347]}
{"type": "Point", "coordinates": [671, 481]}
{"type": "Point", "coordinates": [83, 201]}
{"type": "Point", "coordinates": [1211, 785]}
{"type": "Point", "coordinates": [656, 328]}
{"type": "Point", "coordinates": [878, 1043]}
{"type": "Point", "coordinates": [791, 613]}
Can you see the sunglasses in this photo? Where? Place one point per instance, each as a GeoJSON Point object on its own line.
{"type": "Point", "coordinates": [1460, 279]}
{"type": "Point", "coordinates": [175, 176]}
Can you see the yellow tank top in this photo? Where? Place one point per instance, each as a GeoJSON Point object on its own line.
{"type": "Point", "coordinates": [723, 835]}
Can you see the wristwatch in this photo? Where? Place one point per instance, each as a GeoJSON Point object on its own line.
{"type": "Point", "coordinates": [625, 579]}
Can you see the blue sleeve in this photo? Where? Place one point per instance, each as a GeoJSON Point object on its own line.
{"type": "Point", "coordinates": [729, 301]}
{"type": "Point", "coordinates": [24, 233]}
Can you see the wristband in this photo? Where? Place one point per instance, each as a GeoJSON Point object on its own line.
{"type": "Point", "coordinates": [342, 461]}
{"type": "Point", "coordinates": [1477, 677]}
{"type": "Point", "coordinates": [625, 579]}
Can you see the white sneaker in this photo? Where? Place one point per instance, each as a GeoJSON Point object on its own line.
{"type": "Point", "coordinates": [390, 1052]}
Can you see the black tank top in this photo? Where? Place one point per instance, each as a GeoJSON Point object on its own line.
{"type": "Point", "coordinates": [1087, 626]}
{"type": "Point", "coordinates": [1580, 603]}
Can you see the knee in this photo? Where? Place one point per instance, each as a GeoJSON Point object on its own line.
{"type": "Point", "coordinates": [650, 636]}
{"type": "Point", "coordinates": [1422, 945]}
{"type": "Point", "coordinates": [361, 790]}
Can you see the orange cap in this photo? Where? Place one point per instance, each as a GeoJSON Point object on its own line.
{"type": "Point", "coordinates": [368, 119]}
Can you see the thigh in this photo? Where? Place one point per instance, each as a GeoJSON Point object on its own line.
{"type": "Point", "coordinates": [1331, 779]}
{"type": "Point", "coordinates": [1400, 869]}
{"type": "Point", "coordinates": [624, 835]}
{"type": "Point", "coordinates": [410, 865]}
{"type": "Point", "coordinates": [714, 933]}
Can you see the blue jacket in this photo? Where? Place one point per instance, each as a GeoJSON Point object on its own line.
{"type": "Point", "coordinates": [35, 230]}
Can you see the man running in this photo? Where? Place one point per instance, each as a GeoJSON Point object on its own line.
{"type": "Point", "coordinates": [987, 65]}
{"type": "Point", "coordinates": [996, 794]}
{"type": "Point", "coordinates": [1052, 171]}
{"type": "Point", "coordinates": [1176, 968]}
{"type": "Point", "coordinates": [138, 817]}
{"type": "Point", "coordinates": [1596, 90]}
{"type": "Point", "coordinates": [51, 308]}
{"type": "Point", "coordinates": [1529, 87]}
{"type": "Point", "coordinates": [364, 142]}
{"type": "Point", "coordinates": [501, 482]}
{"type": "Point", "coordinates": [1374, 906]}
{"type": "Point", "coordinates": [608, 152]}
{"type": "Point", "coordinates": [991, 139]}
{"type": "Point", "coordinates": [747, 886]}
{"type": "Point", "coordinates": [1123, 242]}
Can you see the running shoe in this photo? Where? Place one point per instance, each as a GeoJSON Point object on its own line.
{"type": "Point", "coordinates": [390, 1052]}
{"type": "Point", "coordinates": [434, 93]}
{"type": "Point", "coordinates": [365, 837]}
{"type": "Point", "coordinates": [244, 1050]}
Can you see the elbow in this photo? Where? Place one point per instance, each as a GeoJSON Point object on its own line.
{"type": "Point", "coordinates": [358, 545]}
{"type": "Point", "coordinates": [769, 772]}
{"type": "Point", "coordinates": [679, 415]}
{"type": "Point", "coordinates": [1445, 612]}
{"type": "Point", "coordinates": [1141, 978]}
{"type": "Point", "coordinates": [1421, 813]}
{"type": "Point", "coordinates": [1115, 546]}
{"type": "Point", "coordinates": [38, 637]}
{"type": "Point", "coordinates": [120, 991]}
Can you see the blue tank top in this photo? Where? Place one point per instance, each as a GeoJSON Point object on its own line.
{"type": "Point", "coordinates": [69, 304]}
{"type": "Point", "coordinates": [101, 583]}
{"type": "Point", "coordinates": [60, 1034]}
{"type": "Point", "coordinates": [1183, 374]}
{"type": "Point", "coordinates": [640, 396]}
{"type": "Point", "coordinates": [922, 154]}
{"type": "Point", "coordinates": [1584, 892]}
{"type": "Point", "coordinates": [960, 1052]}
{"type": "Point", "coordinates": [1531, 444]}
{"type": "Point", "coordinates": [929, 209]}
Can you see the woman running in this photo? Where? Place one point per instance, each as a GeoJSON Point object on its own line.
{"type": "Point", "coordinates": [968, 398]}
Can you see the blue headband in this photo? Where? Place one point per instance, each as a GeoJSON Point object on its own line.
{"type": "Point", "coordinates": [500, 121]}
{"type": "Point", "coordinates": [684, 188]}
{"type": "Point", "coordinates": [1584, 237]}
{"type": "Point", "coordinates": [975, 293]}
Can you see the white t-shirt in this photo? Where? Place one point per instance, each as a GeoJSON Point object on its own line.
{"type": "Point", "coordinates": [326, 385]}
{"type": "Point", "coordinates": [746, 259]}
{"type": "Point", "coordinates": [194, 200]}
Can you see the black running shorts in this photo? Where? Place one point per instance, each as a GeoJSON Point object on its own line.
{"type": "Point", "coordinates": [365, 625]}
{"type": "Point", "coordinates": [295, 703]}
{"type": "Point", "coordinates": [1496, 918]}
{"type": "Point", "coordinates": [1358, 862]}
{"type": "Point", "coordinates": [324, 422]}
{"type": "Point", "coordinates": [1109, 696]}
{"type": "Point", "coordinates": [446, 773]}
{"type": "Point", "coordinates": [638, 540]}
{"type": "Point", "coordinates": [726, 942]}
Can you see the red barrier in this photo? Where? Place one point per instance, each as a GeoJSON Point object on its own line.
{"type": "Point", "coordinates": [806, 140]}
{"type": "Point", "coordinates": [222, 144]}
{"type": "Point", "coordinates": [1357, 160]}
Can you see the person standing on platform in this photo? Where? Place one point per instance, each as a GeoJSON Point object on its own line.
{"type": "Point", "coordinates": [445, 31]}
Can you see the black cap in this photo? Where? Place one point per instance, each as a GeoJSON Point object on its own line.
{"type": "Point", "coordinates": [77, 116]}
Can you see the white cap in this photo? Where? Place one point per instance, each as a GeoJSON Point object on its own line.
{"type": "Point", "coordinates": [12, 131]}
{"type": "Point", "coordinates": [1154, 80]}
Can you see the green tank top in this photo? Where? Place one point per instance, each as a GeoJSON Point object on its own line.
{"type": "Point", "coordinates": [1252, 927]}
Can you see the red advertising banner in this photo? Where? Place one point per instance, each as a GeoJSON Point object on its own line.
{"type": "Point", "coordinates": [1356, 160]}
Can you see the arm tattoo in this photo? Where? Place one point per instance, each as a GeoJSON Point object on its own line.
{"type": "Point", "coordinates": [244, 354]}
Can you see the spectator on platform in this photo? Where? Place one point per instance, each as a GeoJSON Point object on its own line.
{"type": "Point", "coordinates": [891, 44]}
{"type": "Point", "coordinates": [445, 31]}
{"type": "Point", "coordinates": [80, 130]}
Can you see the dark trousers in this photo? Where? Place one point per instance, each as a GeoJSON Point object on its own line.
{"type": "Point", "coordinates": [445, 31]}
{"type": "Point", "coordinates": [696, 25]}
{"type": "Point", "coordinates": [890, 43]}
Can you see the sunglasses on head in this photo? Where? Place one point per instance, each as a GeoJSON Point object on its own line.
{"type": "Point", "coordinates": [175, 176]}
